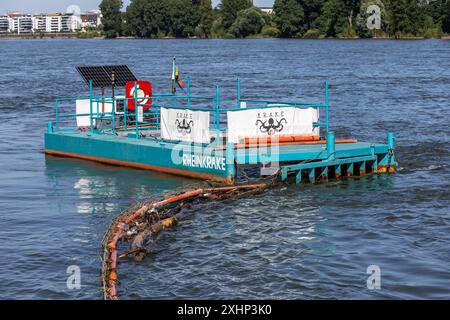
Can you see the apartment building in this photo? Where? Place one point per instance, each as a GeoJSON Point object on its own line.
{"type": "Point", "coordinates": [53, 22]}
{"type": "Point", "coordinates": [4, 24]}
{"type": "Point", "coordinates": [40, 23]}
{"type": "Point", "coordinates": [50, 23]}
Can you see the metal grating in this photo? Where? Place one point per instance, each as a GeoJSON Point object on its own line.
{"type": "Point", "coordinates": [101, 76]}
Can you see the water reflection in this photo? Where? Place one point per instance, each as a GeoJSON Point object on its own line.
{"type": "Point", "coordinates": [102, 188]}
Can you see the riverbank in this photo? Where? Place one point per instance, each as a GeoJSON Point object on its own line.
{"type": "Point", "coordinates": [97, 36]}
{"type": "Point", "coordinates": [14, 36]}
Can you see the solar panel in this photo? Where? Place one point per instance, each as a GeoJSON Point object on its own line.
{"type": "Point", "coordinates": [101, 76]}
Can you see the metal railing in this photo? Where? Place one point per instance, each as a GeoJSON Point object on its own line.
{"type": "Point", "coordinates": [128, 120]}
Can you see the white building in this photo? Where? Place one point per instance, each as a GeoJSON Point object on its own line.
{"type": "Point", "coordinates": [268, 10]}
{"type": "Point", "coordinates": [20, 23]}
{"type": "Point", "coordinates": [25, 24]}
{"type": "Point", "coordinates": [50, 23]}
{"type": "Point", "coordinates": [5, 24]}
{"type": "Point", "coordinates": [53, 22]}
{"type": "Point", "coordinates": [40, 23]}
{"type": "Point", "coordinates": [70, 23]}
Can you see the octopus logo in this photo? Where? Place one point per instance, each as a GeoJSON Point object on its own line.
{"type": "Point", "coordinates": [271, 126]}
{"type": "Point", "coordinates": [184, 126]}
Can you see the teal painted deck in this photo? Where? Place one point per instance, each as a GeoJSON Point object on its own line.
{"type": "Point", "coordinates": [302, 152]}
{"type": "Point", "coordinates": [143, 153]}
{"type": "Point", "coordinates": [209, 162]}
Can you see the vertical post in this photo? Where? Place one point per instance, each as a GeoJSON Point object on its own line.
{"type": "Point", "coordinates": [331, 146]}
{"type": "Point", "coordinates": [231, 171]}
{"type": "Point", "coordinates": [57, 114]}
{"type": "Point", "coordinates": [375, 166]}
{"type": "Point", "coordinates": [312, 175]}
{"type": "Point", "coordinates": [338, 171]}
{"type": "Point", "coordinates": [324, 173]}
{"type": "Point", "coordinates": [391, 140]}
{"type": "Point", "coordinates": [350, 170]}
{"type": "Point", "coordinates": [217, 115]}
{"type": "Point", "coordinates": [327, 105]}
{"type": "Point", "coordinates": [113, 83]}
{"type": "Point", "coordinates": [238, 92]}
{"type": "Point", "coordinates": [125, 111]}
{"type": "Point", "coordinates": [49, 127]}
{"type": "Point", "coordinates": [113, 116]}
{"type": "Point", "coordinates": [390, 156]}
{"type": "Point", "coordinates": [298, 177]}
{"type": "Point", "coordinates": [284, 173]}
{"type": "Point", "coordinates": [362, 168]}
{"type": "Point", "coordinates": [174, 85]}
{"type": "Point", "coordinates": [136, 110]}
{"type": "Point", "coordinates": [188, 84]}
{"type": "Point", "coordinates": [90, 107]}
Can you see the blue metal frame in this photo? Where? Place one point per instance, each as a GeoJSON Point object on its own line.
{"type": "Point", "coordinates": [317, 160]}
{"type": "Point", "coordinates": [213, 104]}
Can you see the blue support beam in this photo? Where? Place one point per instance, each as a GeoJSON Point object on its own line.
{"type": "Point", "coordinates": [312, 175]}
{"type": "Point", "coordinates": [238, 93]}
{"type": "Point", "coordinates": [91, 125]}
{"type": "Point", "coordinates": [338, 171]}
{"type": "Point", "coordinates": [298, 178]}
{"type": "Point", "coordinates": [350, 170]}
{"type": "Point", "coordinates": [323, 167]}
{"type": "Point", "coordinates": [331, 146]}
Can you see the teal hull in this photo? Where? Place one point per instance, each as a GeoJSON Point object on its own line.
{"type": "Point", "coordinates": [174, 158]}
{"type": "Point", "coordinates": [305, 161]}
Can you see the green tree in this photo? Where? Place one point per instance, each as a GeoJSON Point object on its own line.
{"type": "Point", "coordinates": [229, 10]}
{"type": "Point", "coordinates": [217, 29]}
{"type": "Point", "coordinates": [352, 7]}
{"type": "Point", "coordinates": [436, 10]}
{"type": "Point", "coordinates": [289, 17]}
{"type": "Point", "coordinates": [405, 18]}
{"type": "Point", "coordinates": [313, 10]}
{"type": "Point", "coordinates": [155, 18]}
{"type": "Point", "coordinates": [446, 18]}
{"type": "Point", "coordinates": [334, 19]}
{"type": "Point", "coordinates": [112, 17]}
{"type": "Point", "coordinates": [183, 17]}
{"type": "Point", "coordinates": [146, 18]}
{"type": "Point", "coordinates": [206, 19]}
{"type": "Point", "coordinates": [248, 22]}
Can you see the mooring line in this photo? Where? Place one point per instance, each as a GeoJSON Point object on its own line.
{"type": "Point", "coordinates": [141, 225]}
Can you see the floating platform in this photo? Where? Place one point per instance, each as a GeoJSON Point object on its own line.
{"type": "Point", "coordinates": [198, 137]}
{"type": "Point", "coordinates": [308, 162]}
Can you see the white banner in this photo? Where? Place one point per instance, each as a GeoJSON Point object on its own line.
{"type": "Point", "coordinates": [269, 122]}
{"type": "Point", "coordinates": [185, 125]}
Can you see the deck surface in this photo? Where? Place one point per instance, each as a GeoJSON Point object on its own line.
{"type": "Point", "coordinates": [288, 153]}
{"type": "Point", "coordinates": [254, 155]}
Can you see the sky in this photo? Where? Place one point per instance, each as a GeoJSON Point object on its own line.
{"type": "Point", "coordinates": [44, 6]}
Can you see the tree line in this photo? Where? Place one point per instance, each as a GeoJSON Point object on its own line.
{"type": "Point", "coordinates": [290, 19]}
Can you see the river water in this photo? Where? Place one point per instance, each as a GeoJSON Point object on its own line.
{"type": "Point", "coordinates": [296, 242]}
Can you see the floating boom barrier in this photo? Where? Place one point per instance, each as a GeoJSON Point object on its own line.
{"type": "Point", "coordinates": [142, 224]}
